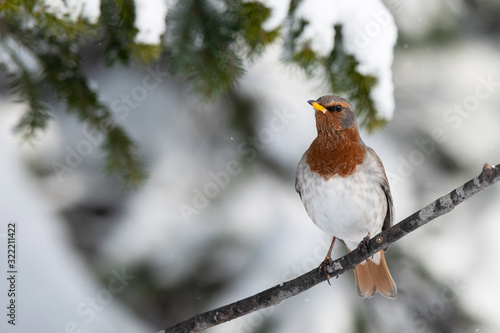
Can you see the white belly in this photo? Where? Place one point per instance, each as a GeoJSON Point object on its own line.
{"type": "Point", "coordinates": [345, 207]}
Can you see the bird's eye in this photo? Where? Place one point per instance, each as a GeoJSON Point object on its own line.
{"type": "Point", "coordinates": [333, 108]}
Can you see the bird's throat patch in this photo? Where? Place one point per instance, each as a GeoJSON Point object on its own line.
{"type": "Point", "coordinates": [332, 155]}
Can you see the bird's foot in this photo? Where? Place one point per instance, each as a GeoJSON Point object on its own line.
{"type": "Point", "coordinates": [363, 245]}
{"type": "Point", "coordinates": [323, 267]}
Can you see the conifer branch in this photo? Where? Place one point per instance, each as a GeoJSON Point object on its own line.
{"type": "Point", "coordinates": [275, 295]}
{"type": "Point", "coordinates": [207, 44]}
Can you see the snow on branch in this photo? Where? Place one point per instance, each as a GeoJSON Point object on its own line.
{"type": "Point", "coordinates": [275, 295]}
{"type": "Point", "coordinates": [369, 34]}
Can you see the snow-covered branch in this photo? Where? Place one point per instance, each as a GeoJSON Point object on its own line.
{"type": "Point", "coordinates": [275, 295]}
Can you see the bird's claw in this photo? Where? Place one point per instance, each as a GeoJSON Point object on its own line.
{"type": "Point", "coordinates": [363, 245]}
{"type": "Point", "coordinates": [323, 267]}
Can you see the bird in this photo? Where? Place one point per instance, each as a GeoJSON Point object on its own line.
{"type": "Point", "coordinates": [344, 188]}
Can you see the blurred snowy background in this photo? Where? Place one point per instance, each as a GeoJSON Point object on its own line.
{"type": "Point", "coordinates": [219, 218]}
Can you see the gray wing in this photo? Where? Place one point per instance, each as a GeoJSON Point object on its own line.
{"type": "Point", "coordinates": [297, 188]}
{"type": "Point", "coordinates": [389, 217]}
{"type": "Point", "coordinates": [384, 183]}
{"type": "Point", "coordinates": [298, 174]}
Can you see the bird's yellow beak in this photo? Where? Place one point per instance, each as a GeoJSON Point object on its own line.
{"type": "Point", "coordinates": [317, 106]}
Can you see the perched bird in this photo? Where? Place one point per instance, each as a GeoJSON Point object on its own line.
{"type": "Point", "coordinates": [345, 190]}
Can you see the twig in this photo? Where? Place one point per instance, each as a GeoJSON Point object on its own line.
{"type": "Point", "coordinates": [275, 295]}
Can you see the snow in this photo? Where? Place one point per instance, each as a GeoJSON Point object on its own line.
{"type": "Point", "coordinates": [11, 46]}
{"type": "Point", "coordinates": [279, 10]}
{"type": "Point", "coordinates": [261, 214]}
{"type": "Point", "coordinates": [91, 10]}
{"type": "Point", "coordinates": [370, 34]}
{"type": "Point", "coordinates": [54, 283]}
{"type": "Point", "coordinates": [86, 9]}
{"type": "Point", "coordinates": [320, 28]}
{"type": "Point", "coordinates": [150, 20]}
{"type": "Point", "coordinates": [373, 45]}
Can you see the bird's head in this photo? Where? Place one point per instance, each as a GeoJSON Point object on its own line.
{"type": "Point", "coordinates": [333, 113]}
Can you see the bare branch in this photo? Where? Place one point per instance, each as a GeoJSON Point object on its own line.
{"type": "Point", "coordinates": [275, 295]}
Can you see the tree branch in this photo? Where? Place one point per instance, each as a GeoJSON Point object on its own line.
{"type": "Point", "coordinates": [275, 295]}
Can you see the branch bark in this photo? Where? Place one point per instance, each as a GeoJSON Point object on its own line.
{"type": "Point", "coordinates": [275, 295]}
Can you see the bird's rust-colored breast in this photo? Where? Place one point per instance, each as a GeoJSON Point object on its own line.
{"type": "Point", "coordinates": [336, 154]}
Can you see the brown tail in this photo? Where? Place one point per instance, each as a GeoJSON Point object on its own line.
{"type": "Point", "coordinates": [371, 277]}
